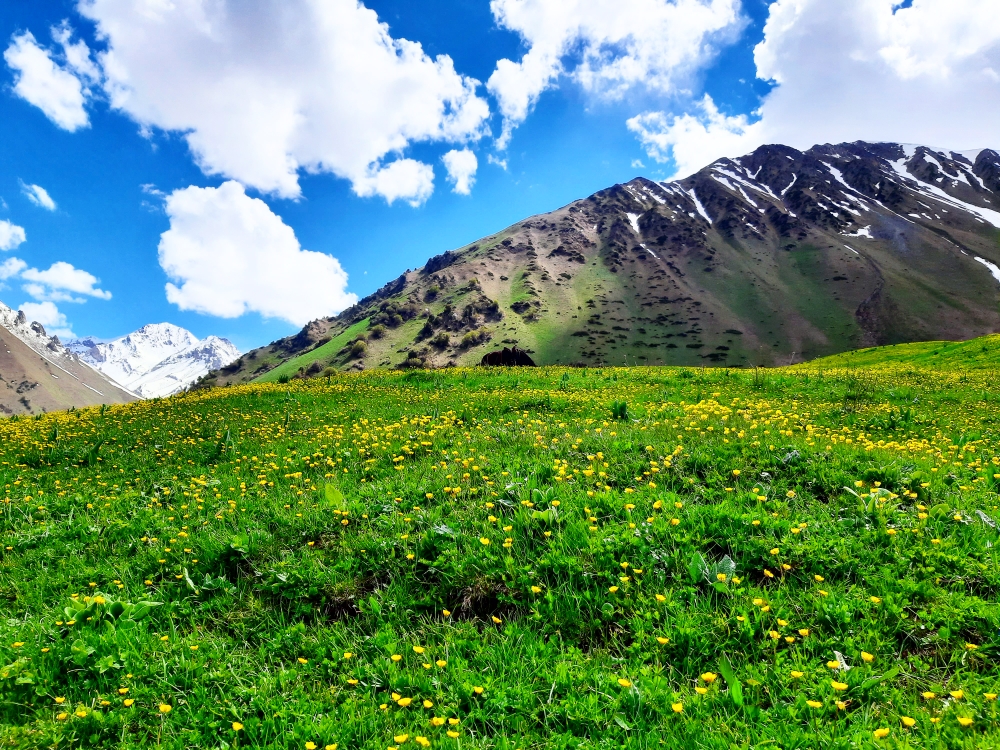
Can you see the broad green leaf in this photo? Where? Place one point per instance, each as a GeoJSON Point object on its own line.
{"type": "Point", "coordinates": [873, 681]}
{"type": "Point", "coordinates": [735, 688]}
{"type": "Point", "coordinates": [333, 495]}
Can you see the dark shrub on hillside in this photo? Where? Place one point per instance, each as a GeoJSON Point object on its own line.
{"type": "Point", "coordinates": [473, 338]}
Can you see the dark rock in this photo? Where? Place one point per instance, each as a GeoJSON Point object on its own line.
{"type": "Point", "coordinates": [512, 357]}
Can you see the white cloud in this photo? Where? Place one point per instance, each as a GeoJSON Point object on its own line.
{"type": "Point", "coordinates": [60, 282]}
{"type": "Point", "coordinates": [855, 70]}
{"type": "Point", "coordinates": [39, 196]}
{"type": "Point", "coordinates": [227, 254]}
{"type": "Point", "coordinates": [406, 179]}
{"type": "Point", "coordinates": [607, 46]}
{"type": "Point", "coordinates": [77, 56]}
{"type": "Point", "coordinates": [11, 235]}
{"type": "Point", "coordinates": [461, 166]}
{"type": "Point", "coordinates": [11, 267]}
{"type": "Point", "coordinates": [38, 79]}
{"type": "Point", "coordinates": [692, 141]}
{"type": "Point", "coordinates": [49, 316]}
{"type": "Point", "coordinates": [261, 90]}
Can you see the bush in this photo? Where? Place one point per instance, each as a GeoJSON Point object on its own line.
{"type": "Point", "coordinates": [283, 379]}
{"type": "Point", "coordinates": [378, 331]}
{"type": "Point", "coordinates": [474, 338]}
{"type": "Point", "coordinates": [413, 361]}
{"type": "Point", "coordinates": [427, 331]}
{"type": "Point", "coordinates": [359, 348]}
{"type": "Point", "coordinates": [441, 341]}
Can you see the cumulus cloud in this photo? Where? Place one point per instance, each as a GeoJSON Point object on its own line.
{"type": "Point", "coordinates": [60, 282]}
{"type": "Point", "coordinates": [407, 179]}
{"type": "Point", "coordinates": [227, 254]}
{"type": "Point", "coordinates": [59, 91]}
{"type": "Point", "coordinates": [854, 70]}
{"type": "Point", "coordinates": [461, 166]}
{"type": "Point", "coordinates": [49, 316]}
{"type": "Point", "coordinates": [606, 46]}
{"type": "Point", "coordinates": [11, 267]}
{"type": "Point", "coordinates": [693, 140]}
{"type": "Point", "coordinates": [11, 235]}
{"type": "Point", "coordinates": [263, 89]}
{"type": "Point", "coordinates": [39, 196]}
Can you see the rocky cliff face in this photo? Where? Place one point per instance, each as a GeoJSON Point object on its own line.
{"type": "Point", "coordinates": [39, 374]}
{"type": "Point", "coordinates": [774, 257]}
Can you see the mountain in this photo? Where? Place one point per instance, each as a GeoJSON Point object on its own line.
{"type": "Point", "coordinates": [39, 374]}
{"type": "Point", "coordinates": [157, 360]}
{"type": "Point", "coordinates": [774, 257]}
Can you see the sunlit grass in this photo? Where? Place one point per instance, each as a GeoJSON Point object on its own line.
{"type": "Point", "coordinates": [509, 559]}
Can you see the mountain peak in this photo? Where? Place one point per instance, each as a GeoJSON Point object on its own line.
{"type": "Point", "coordinates": [38, 373]}
{"type": "Point", "coordinates": [158, 359]}
{"type": "Point", "coordinates": [774, 256]}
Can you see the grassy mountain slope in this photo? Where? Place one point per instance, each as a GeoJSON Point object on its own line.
{"type": "Point", "coordinates": [32, 382]}
{"type": "Point", "coordinates": [983, 352]}
{"type": "Point", "coordinates": [777, 257]}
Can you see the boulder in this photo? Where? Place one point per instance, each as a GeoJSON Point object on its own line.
{"type": "Point", "coordinates": [512, 357]}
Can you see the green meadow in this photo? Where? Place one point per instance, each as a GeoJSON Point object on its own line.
{"type": "Point", "coordinates": [513, 559]}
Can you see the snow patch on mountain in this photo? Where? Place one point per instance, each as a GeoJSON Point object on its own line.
{"type": "Point", "coordinates": [863, 232]}
{"type": "Point", "coordinates": [993, 217]}
{"type": "Point", "coordinates": [159, 359]}
{"type": "Point", "coordinates": [994, 269]}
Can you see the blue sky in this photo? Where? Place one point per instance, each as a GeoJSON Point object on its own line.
{"type": "Point", "coordinates": [601, 87]}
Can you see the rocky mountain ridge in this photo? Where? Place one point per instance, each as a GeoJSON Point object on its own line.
{"type": "Point", "coordinates": [39, 374]}
{"type": "Point", "coordinates": [774, 257]}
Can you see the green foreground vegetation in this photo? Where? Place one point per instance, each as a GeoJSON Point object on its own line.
{"type": "Point", "coordinates": [972, 354]}
{"type": "Point", "coordinates": [551, 558]}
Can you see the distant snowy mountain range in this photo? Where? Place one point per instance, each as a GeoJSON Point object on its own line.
{"type": "Point", "coordinates": [159, 359]}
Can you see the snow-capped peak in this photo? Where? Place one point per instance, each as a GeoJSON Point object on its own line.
{"type": "Point", "coordinates": [31, 333]}
{"type": "Point", "coordinates": [159, 359]}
